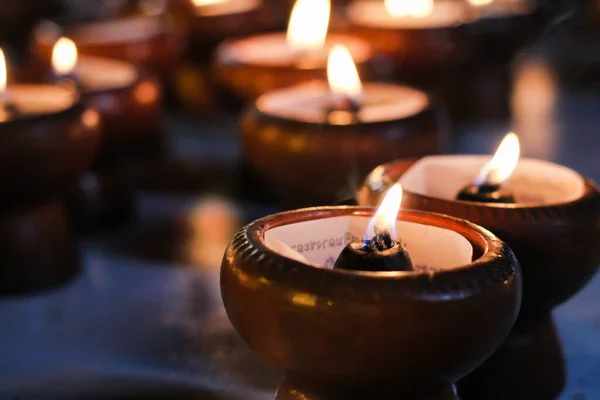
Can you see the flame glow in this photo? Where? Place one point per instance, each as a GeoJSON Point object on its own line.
{"type": "Point", "coordinates": [308, 24]}
{"type": "Point", "coordinates": [200, 3]}
{"type": "Point", "coordinates": [502, 165]}
{"type": "Point", "coordinates": [411, 8]}
{"type": "Point", "coordinates": [387, 213]}
{"type": "Point", "coordinates": [2, 74]}
{"type": "Point", "coordinates": [479, 3]}
{"type": "Point", "coordinates": [64, 56]}
{"type": "Point", "coordinates": [342, 74]}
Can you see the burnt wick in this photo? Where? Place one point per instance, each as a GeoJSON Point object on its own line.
{"type": "Point", "coordinates": [380, 253]}
{"type": "Point", "coordinates": [486, 193]}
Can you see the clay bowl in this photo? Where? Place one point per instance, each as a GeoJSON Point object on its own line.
{"type": "Point", "coordinates": [208, 26]}
{"type": "Point", "coordinates": [42, 153]}
{"type": "Point", "coordinates": [412, 50]}
{"type": "Point", "coordinates": [305, 162]}
{"type": "Point", "coordinates": [39, 250]}
{"type": "Point", "coordinates": [502, 29]}
{"type": "Point", "coordinates": [131, 115]}
{"type": "Point", "coordinates": [150, 42]}
{"type": "Point", "coordinates": [346, 334]}
{"type": "Point", "coordinates": [557, 243]}
{"type": "Point", "coordinates": [246, 77]}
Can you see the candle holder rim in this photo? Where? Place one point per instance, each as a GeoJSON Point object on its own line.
{"type": "Point", "coordinates": [369, 52]}
{"type": "Point", "coordinates": [470, 17]}
{"type": "Point", "coordinates": [429, 108]}
{"type": "Point", "coordinates": [76, 107]}
{"type": "Point", "coordinates": [591, 190]}
{"type": "Point", "coordinates": [488, 243]}
{"type": "Point", "coordinates": [256, 6]}
{"type": "Point", "coordinates": [140, 77]}
{"type": "Point", "coordinates": [68, 28]}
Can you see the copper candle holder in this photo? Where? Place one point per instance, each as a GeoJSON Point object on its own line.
{"type": "Point", "coordinates": [556, 242]}
{"type": "Point", "coordinates": [415, 45]}
{"type": "Point", "coordinates": [207, 26]}
{"type": "Point", "coordinates": [306, 157]}
{"type": "Point", "coordinates": [348, 334]}
{"type": "Point", "coordinates": [129, 102]}
{"type": "Point", "coordinates": [244, 72]}
{"type": "Point", "coordinates": [150, 42]}
{"type": "Point", "coordinates": [46, 144]}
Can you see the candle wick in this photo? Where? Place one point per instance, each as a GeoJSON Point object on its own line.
{"type": "Point", "coordinates": [380, 242]}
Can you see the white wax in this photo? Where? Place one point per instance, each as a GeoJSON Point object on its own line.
{"type": "Point", "coordinates": [505, 8]}
{"type": "Point", "coordinates": [117, 31]}
{"type": "Point", "coordinates": [309, 101]}
{"type": "Point", "coordinates": [533, 181]}
{"type": "Point", "coordinates": [372, 13]}
{"type": "Point", "coordinates": [273, 50]}
{"type": "Point", "coordinates": [226, 7]}
{"type": "Point", "coordinates": [40, 99]}
{"type": "Point", "coordinates": [96, 73]}
{"type": "Point", "coordinates": [319, 242]}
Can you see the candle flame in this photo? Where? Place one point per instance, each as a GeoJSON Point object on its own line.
{"type": "Point", "coordinates": [342, 74]}
{"type": "Point", "coordinates": [411, 8]}
{"type": "Point", "coordinates": [308, 24]}
{"type": "Point", "coordinates": [479, 3]}
{"type": "Point", "coordinates": [64, 56]}
{"type": "Point", "coordinates": [387, 213]}
{"type": "Point", "coordinates": [501, 166]}
{"type": "Point", "coordinates": [200, 3]}
{"type": "Point", "coordinates": [2, 74]}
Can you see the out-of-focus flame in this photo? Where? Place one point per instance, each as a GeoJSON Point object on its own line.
{"type": "Point", "coordinates": [479, 3]}
{"type": "Point", "coordinates": [502, 165]}
{"type": "Point", "coordinates": [342, 74]}
{"type": "Point", "coordinates": [308, 24]}
{"type": "Point", "coordinates": [2, 74]}
{"type": "Point", "coordinates": [411, 8]}
{"type": "Point", "coordinates": [387, 213]}
{"type": "Point", "coordinates": [200, 3]}
{"type": "Point", "coordinates": [64, 56]}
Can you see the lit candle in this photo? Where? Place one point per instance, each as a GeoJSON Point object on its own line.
{"type": "Point", "coordinates": [330, 129]}
{"type": "Point", "coordinates": [380, 250]}
{"type": "Point", "coordinates": [91, 73]}
{"type": "Point", "coordinates": [47, 139]}
{"type": "Point", "coordinates": [149, 42]}
{"type": "Point", "coordinates": [130, 105]}
{"type": "Point", "coordinates": [488, 187]}
{"type": "Point", "coordinates": [254, 65]}
{"type": "Point", "coordinates": [414, 33]}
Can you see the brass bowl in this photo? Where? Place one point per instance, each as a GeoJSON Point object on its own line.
{"type": "Point", "coordinates": [557, 244]}
{"type": "Point", "coordinates": [347, 334]}
{"type": "Point", "coordinates": [42, 153]}
{"type": "Point", "coordinates": [305, 163]}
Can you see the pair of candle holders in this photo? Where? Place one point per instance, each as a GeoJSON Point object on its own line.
{"type": "Point", "coordinates": [482, 330]}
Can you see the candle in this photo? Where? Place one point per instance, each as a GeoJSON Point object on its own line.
{"type": "Point", "coordinates": [130, 105]}
{"type": "Point", "coordinates": [209, 22]}
{"type": "Point", "coordinates": [47, 139]}
{"type": "Point", "coordinates": [257, 64]}
{"type": "Point", "coordinates": [488, 187]}
{"type": "Point", "coordinates": [380, 250]}
{"type": "Point", "coordinates": [311, 140]}
{"type": "Point", "coordinates": [413, 33]}
{"type": "Point", "coordinates": [361, 334]}
{"type": "Point", "coordinates": [146, 41]}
